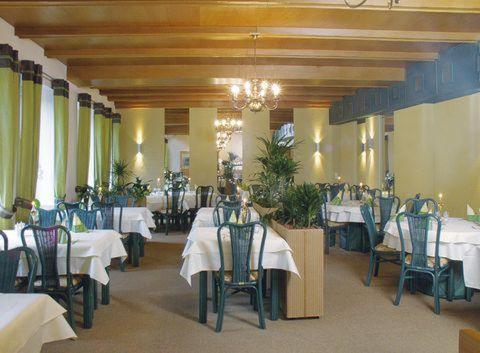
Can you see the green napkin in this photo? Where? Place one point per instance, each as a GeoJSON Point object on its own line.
{"type": "Point", "coordinates": [77, 225]}
{"type": "Point", "coordinates": [336, 201]}
{"type": "Point", "coordinates": [233, 218]}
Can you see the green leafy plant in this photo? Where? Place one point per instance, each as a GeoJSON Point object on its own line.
{"type": "Point", "coordinates": [121, 173]}
{"type": "Point", "coordinates": [139, 189]}
{"type": "Point", "coordinates": [277, 169]}
{"type": "Point", "coordinates": [300, 206]}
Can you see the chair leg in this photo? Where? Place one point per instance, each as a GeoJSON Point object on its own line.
{"type": "Point", "coordinates": [142, 247]}
{"type": "Point", "coordinates": [370, 269]}
{"type": "Point", "coordinates": [122, 265]}
{"type": "Point", "coordinates": [167, 222]}
{"type": "Point", "coordinates": [70, 312]}
{"type": "Point", "coordinates": [106, 290]}
{"type": "Point", "coordinates": [261, 313]}
{"type": "Point", "coordinates": [135, 239]}
{"type": "Point", "coordinates": [436, 293]}
{"type": "Point", "coordinates": [401, 282]}
{"type": "Point", "coordinates": [221, 310]}
{"type": "Point", "coordinates": [327, 242]}
{"type": "Point", "coordinates": [95, 294]}
{"type": "Point", "coordinates": [377, 267]}
{"type": "Point", "coordinates": [214, 293]}
{"type": "Point", "coordinates": [451, 284]}
{"type": "Point", "coordinates": [88, 302]}
{"type": "Point", "coordinates": [254, 295]}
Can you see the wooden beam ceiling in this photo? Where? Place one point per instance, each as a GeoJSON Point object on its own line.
{"type": "Point", "coordinates": [180, 54]}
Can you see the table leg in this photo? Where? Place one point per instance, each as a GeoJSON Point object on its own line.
{"type": "Point", "coordinates": [88, 286]}
{"type": "Point", "coordinates": [202, 297]}
{"type": "Point", "coordinates": [94, 290]}
{"type": "Point", "coordinates": [274, 294]}
{"type": "Point", "coordinates": [142, 247]}
{"type": "Point", "coordinates": [135, 249]}
{"type": "Point", "coordinates": [106, 289]}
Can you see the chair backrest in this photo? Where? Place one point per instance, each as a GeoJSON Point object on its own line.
{"type": "Point", "coordinates": [356, 192]}
{"type": "Point", "coordinates": [175, 198]}
{"type": "Point", "coordinates": [336, 190]}
{"type": "Point", "coordinates": [203, 196]}
{"type": "Point", "coordinates": [374, 193]}
{"type": "Point", "coordinates": [9, 261]}
{"type": "Point", "coordinates": [46, 242]}
{"type": "Point", "coordinates": [322, 215]}
{"type": "Point", "coordinates": [418, 228]}
{"type": "Point", "coordinates": [415, 205]}
{"type": "Point", "coordinates": [121, 200]}
{"type": "Point", "coordinates": [88, 218]}
{"type": "Point", "coordinates": [241, 240]}
{"type": "Point", "coordinates": [388, 206]}
{"type": "Point", "coordinates": [368, 217]}
{"type": "Point", "coordinates": [68, 206]}
{"type": "Point", "coordinates": [227, 210]}
{"type": "Point", "coordinates": [5, 240]}
{"type": "Point", "coordinates": [107, 212]}
{"type": "Point", "coordinates": [48, 218]}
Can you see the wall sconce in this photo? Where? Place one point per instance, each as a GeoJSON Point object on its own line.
{"type": "Point", "coordinates": [363, 147]}
{"type": "Point", "coordinates": [139, 148]}
{"type": "Point", "coordinates": [317, 147]}
{"type": "Point", "coordinates": [370, 143]}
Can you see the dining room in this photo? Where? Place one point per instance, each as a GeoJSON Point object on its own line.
{"type": "Point", "coordinates": [212, 176]}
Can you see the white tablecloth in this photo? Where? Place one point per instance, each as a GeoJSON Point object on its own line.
{"type": "Point", "coordinates": [204, 217]}
{"type": "Point", "coordinates": [90, 252]}
{"type": "Point", "coordinates": [201, 252]}
{"type": "Point", "coordinates": [459, 241]}
{"type": "Point", "coordinates": [134, 220]}
{"type": "Point", "coordinates": [158, 201]}
{"type": "Point", "coordinates": [348, 211]}
{"type": "Point", "coordinates": [27, 321]}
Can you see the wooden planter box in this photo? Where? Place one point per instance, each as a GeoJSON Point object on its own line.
{"type": "Point", "coordinates": [303, 297]}
{"type": "Point", "coordinates": [263, 211]}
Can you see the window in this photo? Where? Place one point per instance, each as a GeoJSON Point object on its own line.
{"type": "Point", "coordinates": [45, 181]}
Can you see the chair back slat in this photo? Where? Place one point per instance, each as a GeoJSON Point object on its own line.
{"type": "Point", "coordinates": [9, 262]}
{"type": "Point", "coordinates": [387, 205]}
{"type": "Point", "coordinates": [415, 205]}
{"type": "Point", "coordinates": [374, 193]}
{"type": "Point", "coordinates": [5, 240]}
{"type": "Point", "coordinates": [368, 217]}
{"type": "Point", "coordinates": [49, 218]}
{"type": "Point", "coordinates": [121, 200]}
{"type": "Point", "coordinates": [241, 240]}
{"type": "Point", "coordinates": [46, 241]}
{"type": "Point", "coordinates": [203, 196]}
{"type": "Point", "coordinates": [88, 218]}
{"type": "Point", "coordinates": [337, 190]}
{"type": "Point", "coordinates": [107, 212]}
{"type": "Point", "coordinates": [175, 198]}
{"type": "Point", "coordinates": [69, 206]}
{"type": "Point", "coordinates": [356, 192]}
{"type": "Point", "coordinates": [227, 208]}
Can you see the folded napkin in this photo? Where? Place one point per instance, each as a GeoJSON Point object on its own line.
{"type": "Point", "coordinates": [471, 216]}
{"type": "Point", "coordinates": [336, 201]}
{"type": "Point", "coordinates": [424, 209]}
{"type": "Point", "coordinates": [401, 210]}
{"type": "Point", "coordinates": [34, 218]}
{"type": "Point", "coordinates": [77, 225]}
{"type": "Point", "coordinates": [233, 218]}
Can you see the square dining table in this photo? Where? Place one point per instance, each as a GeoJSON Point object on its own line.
{"type": "Point", "coordinates": [30, 320]}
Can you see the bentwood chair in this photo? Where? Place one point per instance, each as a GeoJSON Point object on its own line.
{"type": "Point", "coordinates": [415, 205]}
{"type": "Point", "coordinates": [9, 262]}
{"type": "Point", "coordinates": [330, 228]}
{"type": "Point", "coordinates": [337, 190]}
{"type": "Point", "coordinates": [203, 198]}
{"type": "Point", "coordinates": [66, 207]}
{"type": "Point", "coordinates": [48, 218]}
{"type": "Point", "coordinates": [50, 282]}
{"type": "Point", "coordinates": [378, 251]}
{"type": "Point", "coordinates": [88, 218]}
{"type": "Point", "coordinates": [5, 240]}
{"type": "Point", "coordinates": [174, 214]}
{"type": "Point", "coordinates": [241, 277]}
{"type": "Point", "coordinates": [227, 209]}
{"type": "Point", "coordinates": [418, 260]}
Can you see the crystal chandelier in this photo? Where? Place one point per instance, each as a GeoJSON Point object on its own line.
{"type": "Point", "coordinates": [255, 94]}
{"type": "Point", "coordinates": [225, 128]}
{"type": "Point", "coordinates": [353, 6]}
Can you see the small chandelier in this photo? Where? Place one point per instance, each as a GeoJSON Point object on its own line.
{"type": "Point", "coordinates": [353, 6]}
{"type": "Point", "coordinates": [225, 128]}
{"type": "Point", "coordinates": [255, 94]}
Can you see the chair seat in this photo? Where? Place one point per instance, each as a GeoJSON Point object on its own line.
{"type": "Point", "coordinates": [125, 235]}
{"type": "Point", "coordinates": [76, 280]}
{"type": "Point", "coordinates": [332, 224]}
{"type": "Point", "coordinates": [229, 276]}
{"type": "Point", "coordinates": [384, 248]}
{"type": "Point", "coordinates": [430, 261]}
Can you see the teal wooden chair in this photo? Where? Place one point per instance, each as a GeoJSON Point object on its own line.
{"type": "Point", "coordinates": [337, 190]}
{"type": "Point", "coordinates": [330, 228]}
{"type": "Point", "coordinates": [48, 218]}
{"type": "Point", "coordinates": [59, 287]}
{"type": "Point", "coordinates": [121, 200]}
{"type": "Point", "coordinates": [224, 210]}
{"type": "Point", "coordinates": [418, 261]}
{"type": "Point", "coordinates": [374, 193]}
{"type": "Point", "coordinates": [356, 192]}
{"type": "Point", "coordinates": [174, 214]}
{"type": "Point", "coordinates": [415, 204]}
{"type": "Point", "coordinates": [9, 262]}
{"type": "Point", "coordinates": [4, 240]}
{"type": "Point", "coordinates": [378, 252]}
{"type": "Point", "coordinates": [241, 278]}
{"type": "Point", "coordinates": [388, 206]}
{"type": "Point", "coordinates": [66, 207]}
{"type": "Point", "coordinates": [203, 198]}
{"type": "Point", "coordinates": [88, 218]}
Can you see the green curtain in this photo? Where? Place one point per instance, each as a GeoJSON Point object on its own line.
{"type": "Point", "coordinates": [9, 120]}
{"type": "Point", "coordinates": [83, 137]}
{"type": "Point", "coordinates": [116, 121]}
{"type": "Point", "coordinates": [98, 127]}
{"type": "Point", "coordinates": [60, 92]}
{"type": "Point", "coordinates": [29, 133]}
{"type": "Point", "coordinates": [107, 152]}
{"type": "Point", "coordinates": [165, 155]}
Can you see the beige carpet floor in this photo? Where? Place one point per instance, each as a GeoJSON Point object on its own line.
{"type": "Point", "coordinates": [153, 309]}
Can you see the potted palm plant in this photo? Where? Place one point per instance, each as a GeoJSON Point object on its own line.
{"type": "Point", "coordinates": [295, 222]}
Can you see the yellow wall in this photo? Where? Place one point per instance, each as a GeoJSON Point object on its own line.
{"type": "Point", "coordinates": [203, 150]}
{"type": "Point", "coordinates": [370, 164]}
{"type": "Point", "coordinates": [311, 125]}
{"type": "Point", "coordinates": [346, 152]}
{"type": "Point", "coordinates": [148, 127]}
{"type": "Point", "coordinates": [254, 125]}
{"type": "Point", "coordinates": [436, 151]}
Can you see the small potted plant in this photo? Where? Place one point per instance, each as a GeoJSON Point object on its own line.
{"type": "Point", "coordinates": [139, 190]}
